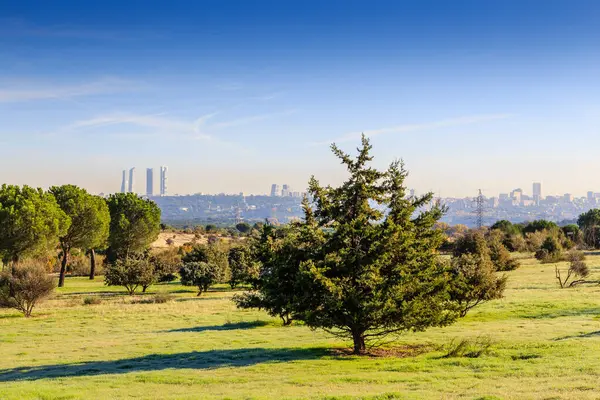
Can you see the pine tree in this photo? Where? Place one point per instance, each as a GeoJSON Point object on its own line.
{"type": "Point", "coordinates": [376, 272]}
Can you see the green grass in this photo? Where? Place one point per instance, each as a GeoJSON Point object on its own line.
{"type": "Point", "coordinates": [546, 345]}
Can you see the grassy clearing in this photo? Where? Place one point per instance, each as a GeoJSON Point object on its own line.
{"type": "Point", "coordinates": [545, 345]}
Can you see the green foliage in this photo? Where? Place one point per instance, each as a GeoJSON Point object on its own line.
{"type": "Point", "coordinates": [550, 251]}
{"type": "Point", "coordinates": [499, 254]}
{"type": "Point", "coordinates": [215, 253]}
{"type": "Point", "coordinates": [242, 267]}
{"type": "Point", "coordinates": [243, 227]}
{"type": "Point", "coordinates": [166, 264]}
{"type": "Point", "coordinates": [573, 233]}
{"type": "Point", "coordinates": [279, 289]}
{"type": "Point", "coordinates": [90, 220]}
{"type": "Point", "coordinates": [475, 281]}
{"type": "Point", "coordinates": [131, 273]}
{"type": "Point", "coordinates": [507, 227]}
{"type": "Point", "coordinates": [134, 224]}
{"type": "Point", "coordinates": [369, 274]}
{"type": "Point", "coordinates": [488, 246]}
{"type": "Point", "coordinates": [91, 300]}
{"type": "Point", "coordinates": [589, 223]}
{"type": "Point", "coordinates": [30, 222]}
{"type": "Point", "coordinates": [539, 225]}
{"type": "Point", "coordinates": [200, 274]}
{"type": "Point", "coordinates": [24, 287]}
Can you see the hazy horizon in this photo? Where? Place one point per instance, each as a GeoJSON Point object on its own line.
{"type": "Point", "coordinates": [233, 96]}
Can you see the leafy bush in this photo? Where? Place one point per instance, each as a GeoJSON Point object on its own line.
{"type": "Point", "coordinates": [90, 300]}
{"type": "Point", "coordinates": [161, 298]}
{"type": "Point", "coordinates": [475, 281]}
{"type": "Point", "coordinates": [166, 264]}
{"type": "Point", "coordinates": [24, 287]}
{"type": "Point", "coordinates": [130, 273]}
{"type": "Point", "coordinates": [242, 267]}
{"type": "Point", "coordinates": [550, 250]}
{"type": "Point", "coordinates": [200, 274]}
{"type": "Point", "coordinates": [499, 254]}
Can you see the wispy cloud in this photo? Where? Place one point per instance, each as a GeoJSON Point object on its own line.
{"type": "Point", "coordinates": [31, 92]}
{"type": "Point", "coordinates": [249, 120]}
{"type": "Point", "coordinates": [163, 124]}
{"type": "Point", "coordinates": [445, 123]}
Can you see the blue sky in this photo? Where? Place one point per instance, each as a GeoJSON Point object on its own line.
{"type": "Point", "coordinates": [236, 95]}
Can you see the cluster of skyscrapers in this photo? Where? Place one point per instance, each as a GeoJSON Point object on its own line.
{"type": "Point", "coordinates": [285, 191]}
{"type": "Point", "coordinates": [128, 181]}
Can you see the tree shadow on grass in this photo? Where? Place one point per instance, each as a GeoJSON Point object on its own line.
{"type": "Point", "coordinates": [199, 360]}
{"type": "Point", "coordinates": [582, 335]}
{"type": "Point", "coordinates": [225, 327]}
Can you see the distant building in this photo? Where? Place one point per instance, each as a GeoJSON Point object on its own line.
{"type": "Point", "coordinates": [274, 190]}
{"type": "Point", "coordinates": [537, 192]}
{"type": "Point", "coordinates": [568, 198]}
{"type": "Point", "coordinates": [591, 199]}
{"type": "Point", "coordinates": [515, 195]}
{"type": "Point", "coordinates": [163, 181]}
{"type": "Point", "coordinates": [131, 182]}
{"type": "Point", "coordinates": [285, 192]}
{"type": "Point", "coordinates": [149, 182]}
{"type": "Point", "coordinates": [124, 182]}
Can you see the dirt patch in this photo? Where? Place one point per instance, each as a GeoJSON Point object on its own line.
{"type": "Point", "coordinates": [403, 351]}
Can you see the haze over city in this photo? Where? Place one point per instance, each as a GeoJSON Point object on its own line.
{"type": "Point", "coordinates": [234, 96]}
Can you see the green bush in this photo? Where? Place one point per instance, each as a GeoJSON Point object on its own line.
{"type": "Point", "coordinates": [24, 287]}
{"type": "Point", "coordinates": [91, 300]}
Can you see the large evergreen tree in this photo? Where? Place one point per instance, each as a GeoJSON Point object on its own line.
{"type": "Point", "coordinates": [378, 271]}
{"type": "Point", "coordinates": [89, 222]}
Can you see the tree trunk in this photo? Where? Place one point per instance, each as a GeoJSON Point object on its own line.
{"type": "Point", "coordinates": [63, 268]}
{"type": "Point", "coordinates": [92, 264]}
{"type": "Point", "coordinates": [358, 338]}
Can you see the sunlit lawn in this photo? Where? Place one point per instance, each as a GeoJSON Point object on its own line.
{"type": "Point", "coordinates": [546, 346]}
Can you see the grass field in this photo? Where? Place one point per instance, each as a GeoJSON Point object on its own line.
{"type": "Point", "coordinates": [546, 345]}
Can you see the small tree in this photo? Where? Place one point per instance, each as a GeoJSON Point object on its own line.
{"type": "Point", "coordinates": [589, 223]}
{"type": "Point", "coordinates": [130, 273]}
{"type": "Point", "coordinates": [134, 225]}
{"type": "Point", "coordinates": [242, 267]}
{"type": "Point", "coordinates": [200, 274]}
{"type": "Point", "coordinates": [577, 269]}
{"type": "Point", "coordinates": [24, 287]}
{"type": "Point", "coordinates": [166, 264]}
{"type": "Point", "coordinates": [475, 281]}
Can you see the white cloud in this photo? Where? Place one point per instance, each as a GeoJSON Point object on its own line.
{"type": "Point", "coordinates": [446, 123]}
{"type": "Point", "coordinates": [249, 120]}
{"type": "Point", "coordinates": [34, 92]}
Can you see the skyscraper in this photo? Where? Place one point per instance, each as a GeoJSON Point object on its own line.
{"type": "Point", "coordinates": [163, 181]}
{"type": "Point", "coordinates": [274, 190]}
{"type": "Point", "coordinates": [149, 182]}
{"type": "Point", "coordinates": [285, 192]}
{"type": "Point", "coordinates": [537, 192]}
{"type": "Point", "coordinates": [131, 183]}
{"type": "Point", "coordinates": [124, 182]}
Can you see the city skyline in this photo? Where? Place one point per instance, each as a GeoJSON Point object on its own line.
{"type": "Point", "coordinates": [504, 89]}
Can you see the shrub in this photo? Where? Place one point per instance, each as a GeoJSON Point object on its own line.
{"type": "Point", "coordinates": [166, 264]}
{"type": "Point", "coordinates": [471, 348]}
{"type": "Point", "coordinates": [161, 298]}
{"type": "Point", "coordinates": [242, 267]}
{"type": "Point", "coordinates": [200, 274]}
{"type": "Point", "coordinates": [577, 269]}
{"type": "Point", "coordinates": [499, 254]}
{"type": "Point", "coordinates": [550, 250]}
{"type": "Point", "coordinates": [24, 287]}
{"type": "Point", "coordinates": [475, 281]}
{"type": "Point", "coordinates": [130, 273]}
{"type": "Point", "coordinates": [90, 300]}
